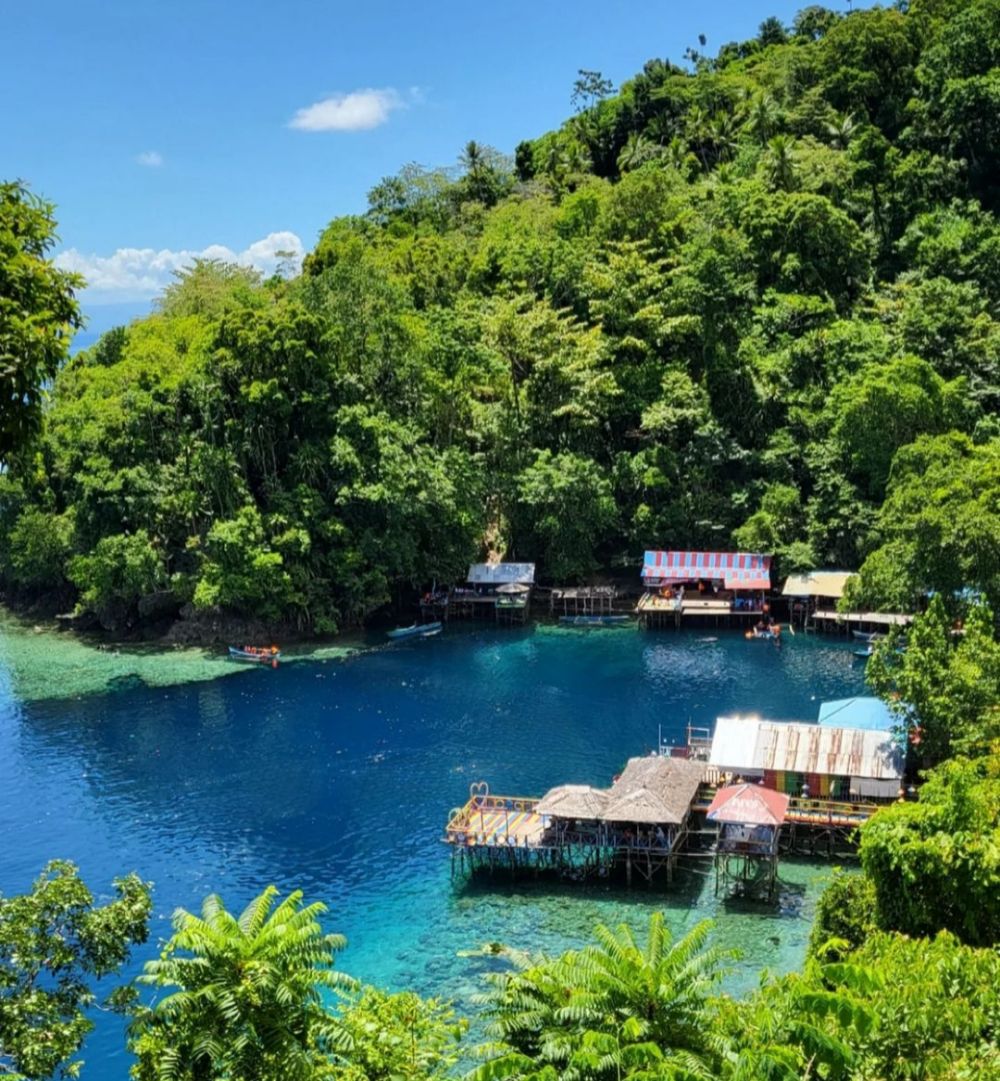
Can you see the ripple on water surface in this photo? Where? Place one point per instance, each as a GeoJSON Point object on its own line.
{"type": "Point", "coordinates": [336, 776]}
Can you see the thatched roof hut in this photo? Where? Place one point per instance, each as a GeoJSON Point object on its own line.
{"type": "Point", "coordinates": [573, 801]}
{"type": "Point", "coordinates": [653, 791]}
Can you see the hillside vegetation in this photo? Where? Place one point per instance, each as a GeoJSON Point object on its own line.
{"type": "Point", "coordinates": [748, 301]}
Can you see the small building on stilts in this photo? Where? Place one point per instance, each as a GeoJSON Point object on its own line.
{"type": "Point", "coordinates": [749, 818]}
{"type": "Point", "coordinates": [723, 587]}
{"type": "Point", "coordinates": [497, 591]}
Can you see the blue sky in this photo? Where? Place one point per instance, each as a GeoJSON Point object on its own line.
{"type": "Point", "coordinates": [164, 129]}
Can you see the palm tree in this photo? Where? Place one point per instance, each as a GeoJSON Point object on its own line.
{"type": "Point", "coordinates": [722, 131]}
{"type": "Point", "coordinates": [245, 997]}
{"type": "Point", "coordinates": [762, 118]}
{"type": "Point", "coordinates": [636, 152]}
{"type": "Point", "coordinates": [679, 157]}
{"type": "Point", "coordinates": [780, 163]}
{"type": "Point", "coordinates": [610, 1010]}
{"type": "Point", "coordinates": [840, 130]}
{"type": "Point", "coordinates": [698, 125]}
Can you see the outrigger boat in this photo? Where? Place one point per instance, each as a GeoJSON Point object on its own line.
{"type": "Point", "coordinates": [868, 636]}
{"type": "Point", "coordinates": [595, 621]}
{"type": "Point", "coordinates": [416, 630]}
{"type": "Point", "coordinates": [257, 654]}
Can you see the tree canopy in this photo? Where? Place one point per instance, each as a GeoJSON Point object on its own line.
{"type": "Point", "coordinates": [750, 299]}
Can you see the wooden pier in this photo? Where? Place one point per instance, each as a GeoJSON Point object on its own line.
{"type": "Point", "coordinates": [657, 611]}
{"type": "Point", "coordinates": [652, 816]}
{"type": "Point", "coordinates": [829, 619]}
{"type": "Point", "coordinates": [584, 601]}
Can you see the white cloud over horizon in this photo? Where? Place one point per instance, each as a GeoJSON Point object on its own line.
{"type": "Point", "coordinates": [136, 274]}
{"type": "Point", "coordinates": [152, 159]}
{"type": "Point", "coordinates": [358, 110]}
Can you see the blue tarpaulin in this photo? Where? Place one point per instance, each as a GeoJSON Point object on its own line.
{"type": "Point", "coordinates": [871, 714]}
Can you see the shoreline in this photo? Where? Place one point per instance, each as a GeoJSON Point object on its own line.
{"type": "Point", "coordinates": [41, 661]}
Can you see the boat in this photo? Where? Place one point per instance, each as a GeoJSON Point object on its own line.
{"type": "Point", "coordinates": [867, 636]}
{"type": "Point", "coordinates": [424, 630]}
{"type": "Point", "coordinates": [864, 653]}
{"type": "Point", "coordinates": [256, 654]}
{"type": "Point", "coordinates": [756, 632]}
{"type": "Point", "coordinates": [595, 621]}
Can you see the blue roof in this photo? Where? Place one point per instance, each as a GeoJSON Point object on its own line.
{"type": "Point", "coordinates": [871, 714]}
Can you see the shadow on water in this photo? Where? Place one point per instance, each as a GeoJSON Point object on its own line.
{"type": "Point", "coordinates": [683, 892]}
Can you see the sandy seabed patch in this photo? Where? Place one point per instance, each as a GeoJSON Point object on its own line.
{"type": "Point", "coordinates": [42, 663]}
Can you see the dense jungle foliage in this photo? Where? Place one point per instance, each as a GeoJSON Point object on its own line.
{"type": "Point", "coordinates": [751, 300]}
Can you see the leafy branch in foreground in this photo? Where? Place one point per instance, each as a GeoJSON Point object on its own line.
{"type": "Point", "coordinates": [245, 995]}
{"type": "Point", "coordinates": [55, 943]}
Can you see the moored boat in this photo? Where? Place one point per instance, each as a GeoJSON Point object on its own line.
{"type": "Point", "coordinates": [595, 621]}
{"type": "Point", "coordinates": [424, 630]}
{"type": "Point", "coordinates": [256, 654]}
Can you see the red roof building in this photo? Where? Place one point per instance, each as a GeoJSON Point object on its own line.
{"type": "Point", "coordinates": [748, 805]}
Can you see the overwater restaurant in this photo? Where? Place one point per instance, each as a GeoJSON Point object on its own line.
{"type": "Point", "coordinates": [719, 584]}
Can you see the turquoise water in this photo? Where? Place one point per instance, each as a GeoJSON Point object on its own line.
{"type": "Point", "coordinates": [336, 776]}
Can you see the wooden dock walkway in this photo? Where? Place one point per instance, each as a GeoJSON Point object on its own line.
{"type": "Point", "coordinates": [655, 610]}
{"type": "Point", "coordinates": [495, 832]}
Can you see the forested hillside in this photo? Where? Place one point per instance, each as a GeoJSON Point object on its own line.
{"type": "Point", "coordinates": [748, 300]}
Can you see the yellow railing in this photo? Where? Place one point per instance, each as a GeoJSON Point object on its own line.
{"type": "Point", "coordinates": [460, 817]}
{"type": "Point", "coordinates": [829, 809]}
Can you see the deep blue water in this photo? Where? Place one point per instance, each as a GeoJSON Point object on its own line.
{"type": "Point", "coordinates": [337, 777]}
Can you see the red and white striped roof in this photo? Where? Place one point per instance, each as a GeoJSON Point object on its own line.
{"type": "Point", "coordinates": [738, 570]}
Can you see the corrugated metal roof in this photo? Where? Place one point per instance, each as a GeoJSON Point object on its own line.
{"type": "Point", "coordinates": [748, 805]}
{"type": "Point", "coordinates": [748, 743]}
{"type": "Point", "coordinates": [816, 584]}
{"type": "Point", "coordinates": [737, 570]}
{"type": "Point", "coordinates": [495, 573]}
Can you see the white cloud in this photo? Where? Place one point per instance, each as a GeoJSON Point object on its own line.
{"type": "Point", "coordinates": [359, 110]}
{"type": "Point", "coordinates": [152, 159]}
{"type": "Point", "coordinates": [133, 274]}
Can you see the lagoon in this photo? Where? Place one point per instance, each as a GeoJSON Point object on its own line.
{"type": "Point", "coordinates": [336, 775]}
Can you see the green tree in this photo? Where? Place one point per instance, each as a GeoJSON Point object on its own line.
{"type": "Point", "coordinates": [38, 312]}
{"type": "Point", "coordinates": [376, 1036]}
{"type": "Point", "coordinates": [944, 687]}
{"type": "Point", "coordinates": [117, 574]}
{"type": "Point", "coordinates": [771, 32]}
{"type": "Point", "coordinates": [210, 287]}
{"type": "Point", "coordinates": [244, 994]}
{"type": "Point", "coordinates": [590, 87]}
{"type": "Point", "coordinates": [244, 571]}
{"type": "Point", "coordinates": [568, 502]}
{"type": "Point", "coordinates": [938, 529]}
{"type": "Point", "coordinates": [845, 916]}
{"type": "Point", "coordinates": [56, 944]}
{"type": "Point", "coordinates": [612, 1010]}
{"type": "Point", "coordinates": [38, 547]}
{"type": "Point", "coordinates": [882, 409]}
{"type": "Point", "coordinates": [935, 864]}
